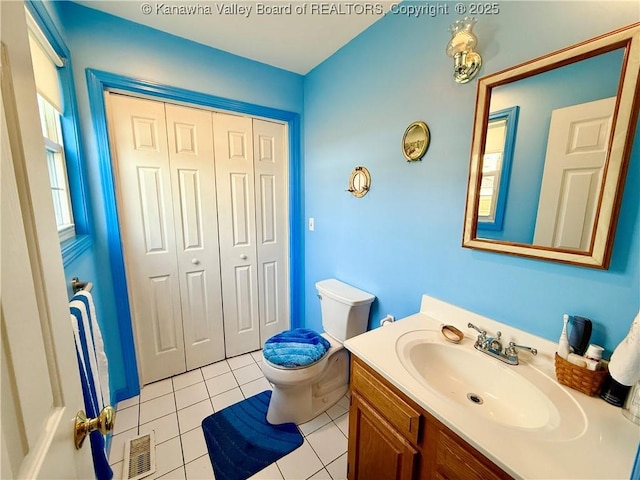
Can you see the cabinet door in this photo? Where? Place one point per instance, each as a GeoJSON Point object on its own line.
{"type": "Point", "coordinates": [448, 457]}
{"type": "Point", "coordinates": [376, 449]}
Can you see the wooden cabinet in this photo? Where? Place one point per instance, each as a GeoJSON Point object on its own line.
{"type": "Point", "coordinates": [391, 437]}
{"type": "Point", "coordinates": [376, 449]}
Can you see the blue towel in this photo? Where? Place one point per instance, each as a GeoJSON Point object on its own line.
{"type": "Point", "coordinates": [83, 339]}
{"type": "Point", "coordinates": [295, 348]}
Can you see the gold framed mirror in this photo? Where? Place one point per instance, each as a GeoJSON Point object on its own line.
{"type": "Point", "coordinates": [578, 109]}
{"type": "Point", "coordinates": [415, 141]}
{"type": "Point", "coordinates": [359, 182]}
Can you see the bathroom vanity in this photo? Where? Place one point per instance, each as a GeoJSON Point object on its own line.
{"type": "Point", "coordinates": [392, 437]}
{"type": "Point", "coordinates": [422, 408]}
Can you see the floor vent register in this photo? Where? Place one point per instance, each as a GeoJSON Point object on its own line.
{"type": "Point", "coordinates": [139, 457]}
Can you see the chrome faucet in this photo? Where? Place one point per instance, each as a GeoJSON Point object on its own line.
{"type": "Point", "coordinates": [492, 346]}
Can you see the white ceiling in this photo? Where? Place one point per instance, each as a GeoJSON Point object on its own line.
{"type": "Point", "coordinates": [294, 42]}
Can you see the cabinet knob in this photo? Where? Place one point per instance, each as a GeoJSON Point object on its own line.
{"type": "Point", "coordinates": [195, 261]}
{"type": "Point", "coordinates": [243, 257]}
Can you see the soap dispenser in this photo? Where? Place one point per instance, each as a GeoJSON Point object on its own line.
{"type": "Point", "coordinates": [563, 343]}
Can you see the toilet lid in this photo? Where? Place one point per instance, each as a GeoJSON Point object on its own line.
{"type": "Point", "coordinates": [295, 348]}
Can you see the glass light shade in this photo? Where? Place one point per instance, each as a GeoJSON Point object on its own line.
{"type": "Point", "coordinates": [462, 37]}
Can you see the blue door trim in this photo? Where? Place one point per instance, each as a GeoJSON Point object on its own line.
{"type": "Point", "coordinates": [98, 82]}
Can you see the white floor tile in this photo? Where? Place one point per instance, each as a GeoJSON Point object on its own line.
{"type": "Point", "coordinates": [186, 379]}
{"type": "Point", "coordinates": [116, 452]}
{"type": "Point", "coordinates": [227, 398]}
{"type": "Point", "coordinates": [240, 361]}
{"type": "Point", "coordinates": [321, 475]}
{"type": "Point", "coordinates": [168, 457]}
{"type": "Point", "coordinates": [338, 468]}
{"type": "Point", "coordinates": [117, 470]}
{"type": "Point", "coordinates": [247, 374]}
{"type": "Point", "coordinates": [215, 369]}
{"type": "Point", "coordinates": [193, 445]}
{"type": "Point", "coordinates": [177, 474]}
{"type": "Point", "coordinates": [129, 402]}
{"type": "Point", "coordinates": [221, 383]}
{"type": "Point", "coordinates": [314, 424]}
{"type": "Point", "coordinates": [156, 389]}
{"type": "Point", "coordinates": [126, 419]}
{"type": "Point", "coordinates": [156, 408]}
{"type": "Point", "coordinates": [165, 427]}
{"type": "Point", "coordinates": [190, 395]}
{"type": "Point", "coordinates": [299, 464]}
{"type": "Point", "coordinates": [257, 355]}
{"type": "Point", "coordinates": [253, 388]}
{"type": "Point", "coordinates": [200, 469]}
{"type": "Point", "coordinates": [343, 424]}
{"type": "Point", "coordinates": [269, 473]}
{"type": "Point", "coordinates": [328, 442]}
{"type": "Point", "coordinates": [192, 416]}
{"type": "Point", "coordinates": [337, 410]}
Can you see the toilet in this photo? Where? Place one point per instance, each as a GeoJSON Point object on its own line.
{"type": "Point", "coordinates": [309, 371]}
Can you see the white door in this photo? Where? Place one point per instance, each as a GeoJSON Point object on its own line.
{"type": "Point", "coordinates": [143, 185]}
{"type": "Point", "coordinates": [191, 159]}
{"type": "Point", "coordinates": [270, 160]}
{"type": "Point", "coordinates": [233, 142]}
{"type": "Point", "coordinates": [576, 155]}
{"type": "Point", "coordinates": [40, 391]}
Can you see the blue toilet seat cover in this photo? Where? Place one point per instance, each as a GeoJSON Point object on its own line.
{"type": "Point", "coordinates": [295, 348]}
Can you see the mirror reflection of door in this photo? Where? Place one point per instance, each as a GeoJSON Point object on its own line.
{"type": "Point", "coordinates": [571, 182]}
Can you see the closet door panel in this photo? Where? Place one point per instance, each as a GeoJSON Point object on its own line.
{"type": "Point", "coordinates": [270, 160]}
{"type": "Point", "coordinates": [143, 186]}
{"type": "Point", "coordinates": [233, 142]}
{"type": "Point", "coordinates": [191, 155]}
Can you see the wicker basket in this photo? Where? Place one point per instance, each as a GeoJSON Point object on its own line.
{"type": "Point", "coordinates": [579, 378]}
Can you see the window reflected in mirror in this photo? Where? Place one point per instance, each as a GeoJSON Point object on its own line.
{"type": "Point", "coordinates": [496, 168]}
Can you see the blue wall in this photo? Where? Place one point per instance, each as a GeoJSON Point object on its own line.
{"type": "Point", "coordinates": [581, 82]}
{"type": "Point", "coordinates": [403, 238]}
{"type": "Point", "coordinates": [104, 42]}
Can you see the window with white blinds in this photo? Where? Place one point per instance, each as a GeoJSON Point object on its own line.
{"type": "Point", "coordinates": [45, 68]}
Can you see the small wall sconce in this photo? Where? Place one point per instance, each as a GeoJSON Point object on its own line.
{"type": "Point", "coordinates": [467, 62]}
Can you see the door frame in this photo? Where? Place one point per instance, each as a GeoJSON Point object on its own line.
{"type": "Point", "coordinates": [99, 82]}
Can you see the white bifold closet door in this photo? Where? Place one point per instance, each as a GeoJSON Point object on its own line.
{"type": "Point", "coordinates": [252, 183]}
{"type": "Point", "coordinates": [202, 204]}
{"type": "Point", "coordinates": [163, 157]}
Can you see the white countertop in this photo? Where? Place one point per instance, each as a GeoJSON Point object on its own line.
{"type": "Point", "coordinates": [604, 449]}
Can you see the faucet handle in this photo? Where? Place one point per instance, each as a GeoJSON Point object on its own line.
{"type": "Point", "coordinates": [481, 332]}
{"type": "Point", "coordinates": [512, 349]}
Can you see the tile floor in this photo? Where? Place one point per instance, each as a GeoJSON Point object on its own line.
{"type": "Point", "coordinates": [175, 408]}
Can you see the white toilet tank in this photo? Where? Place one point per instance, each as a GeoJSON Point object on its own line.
{"type": "Point", "coordinates": [345, 309]}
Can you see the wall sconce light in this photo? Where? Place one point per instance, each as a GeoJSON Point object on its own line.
{"type": "Point", "coordinates": [467, 62]}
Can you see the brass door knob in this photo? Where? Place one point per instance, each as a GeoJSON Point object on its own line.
{"type": "Point", "coordinates": [84, 426]}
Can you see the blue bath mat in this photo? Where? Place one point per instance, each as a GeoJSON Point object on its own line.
{"type": "Point", "coordinates": [241, 442]}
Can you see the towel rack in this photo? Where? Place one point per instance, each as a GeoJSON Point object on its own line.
{"type": "Point", "coordinates": [77, 285]}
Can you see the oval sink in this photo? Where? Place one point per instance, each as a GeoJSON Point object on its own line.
{"type": "Point", "coordinates": [514, 396]}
